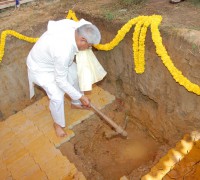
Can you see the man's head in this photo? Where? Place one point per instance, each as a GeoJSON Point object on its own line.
{"type": "Point", "coordinates": [87, 35]}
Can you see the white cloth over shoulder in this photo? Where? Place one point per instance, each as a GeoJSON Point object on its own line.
{"type": "Point", "coordinates": [89, 69]}
{"type": "Point", "coordinates": [62, 26]}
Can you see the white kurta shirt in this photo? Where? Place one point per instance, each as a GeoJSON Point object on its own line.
{"type": "Point", "coordinates": [53, 53]}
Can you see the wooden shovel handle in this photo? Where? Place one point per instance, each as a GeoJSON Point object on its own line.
{"type": "Point", "coordinates": [118, 128]}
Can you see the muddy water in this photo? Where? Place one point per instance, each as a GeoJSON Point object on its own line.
{"type": "Point", "coordinates": [101, 158]}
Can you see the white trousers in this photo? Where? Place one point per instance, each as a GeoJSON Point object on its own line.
{"type": "Point", "coordinates": [55, 94]}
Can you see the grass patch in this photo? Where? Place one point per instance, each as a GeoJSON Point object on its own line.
{"type": "Point", "coordinates": [195, 2]}
{"type": "Point", "coordinates": [109, 16]}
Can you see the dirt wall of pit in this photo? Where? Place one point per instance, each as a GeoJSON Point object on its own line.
{"type": "Point", "coordinates": [157, 101]}
{"type": "Point", "coordinates": [160, 104]}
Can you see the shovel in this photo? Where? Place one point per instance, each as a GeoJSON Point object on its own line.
{"type": "Point", "coordinates": [119, 129]}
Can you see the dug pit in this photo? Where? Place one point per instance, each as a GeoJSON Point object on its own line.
{"type": "Point", "coordinates": [159, 110]}
{"type": "Point", "coordinates": [100, 157]}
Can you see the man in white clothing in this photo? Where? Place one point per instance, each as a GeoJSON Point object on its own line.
{"type": "Point", "coordinates": [50, 65]}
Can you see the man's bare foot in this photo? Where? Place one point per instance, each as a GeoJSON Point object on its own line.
{"type": "Point", "coordinates": [59, 130]}
{"type": "Point", "coordinates": [73, 106]}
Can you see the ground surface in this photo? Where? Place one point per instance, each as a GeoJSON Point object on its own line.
{"type": "Point", "coordinates": [185, 14]}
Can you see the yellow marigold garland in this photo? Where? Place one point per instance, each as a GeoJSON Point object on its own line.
{"type": "Point", "coordinates": [71, 15]}
{"type": "Point", "coordinates": [136, 38]}
{"type": "Point", "coordinates": [120, 35]}
{"type": "Point", "coordinates": [161, 51]}
{"type": "Point", "coordinates": [140, 67]}
{"type": "Point", "coordinates": [15, 34]}
{"type": "Point", "coordinates": [139, 35]}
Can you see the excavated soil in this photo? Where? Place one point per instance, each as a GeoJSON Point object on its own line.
{"type": "Point", "coordinates": [99, 155]}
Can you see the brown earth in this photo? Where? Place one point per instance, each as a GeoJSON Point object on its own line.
{"type": "Point", "coordinates": [185, 14]}
{"type": "Point", "coordinates": [104, 157]}
{"type": "Point", "coordinates": [92, 153]}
